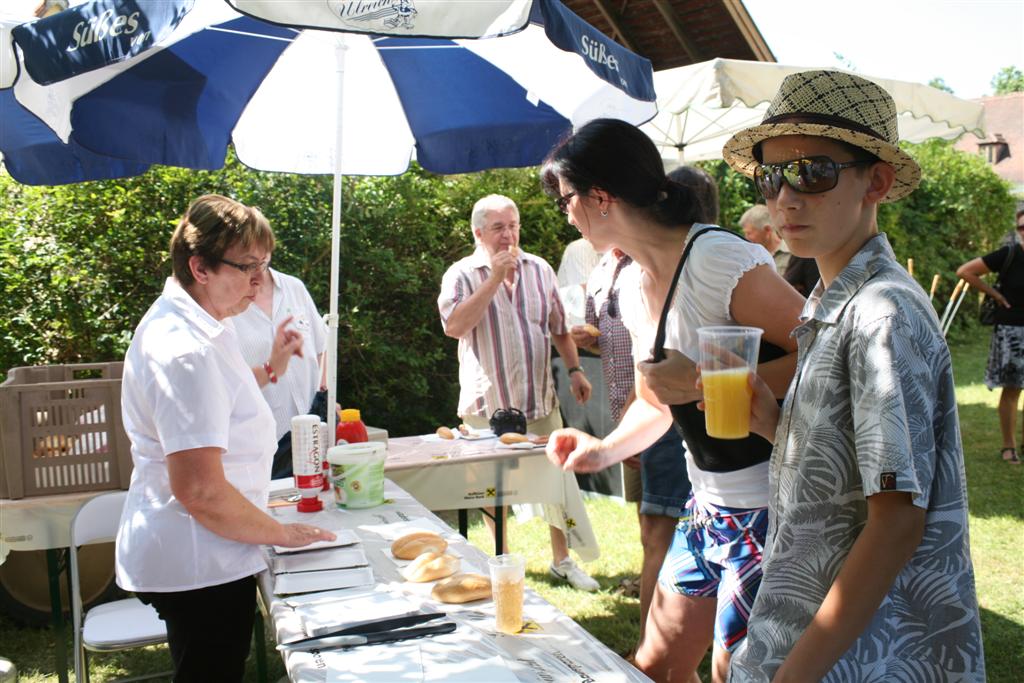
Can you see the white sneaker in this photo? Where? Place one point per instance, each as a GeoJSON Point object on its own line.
{"type": "Point", "coordinates": [567, 570]}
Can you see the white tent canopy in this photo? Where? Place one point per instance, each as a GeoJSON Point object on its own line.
{"type": "Point", "coordinates": [700, 106]}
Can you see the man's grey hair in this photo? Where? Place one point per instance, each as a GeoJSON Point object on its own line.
{"type": "Point", "coordinates": [492, 202]}
{"type": "Point", "coordinates": [758, 216]}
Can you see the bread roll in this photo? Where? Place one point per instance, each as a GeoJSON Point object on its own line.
{"type": "Point", "coordinates": [411, 546]}
{"type": "Point", "coordinates": [462, 588]}
{"type": "Point", "coordinates": [431, 566]}
{"type": "Point", "coordinates": [591, 330]}
{"type": "Point", "coordinates": [512, 437]}
{"type": "Point", "coordinates": [445, 433]}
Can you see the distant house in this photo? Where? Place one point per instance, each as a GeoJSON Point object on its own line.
{"type": "Point", "coordinates": [1004, 145]}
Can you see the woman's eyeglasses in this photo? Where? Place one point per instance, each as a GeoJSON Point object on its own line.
{"type": "Point", "coordinates": [808, 176]}
{"type": "Point", "coordinates": [249, 268]}
{"type": "Point", "coordinates": [563, 201]}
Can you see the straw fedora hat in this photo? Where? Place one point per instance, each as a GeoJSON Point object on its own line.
{"type": "Point", "coordinates": [830, 104]}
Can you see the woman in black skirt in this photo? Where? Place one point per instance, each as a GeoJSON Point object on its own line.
{"type": "Point", "coordinates": [1006, 354]}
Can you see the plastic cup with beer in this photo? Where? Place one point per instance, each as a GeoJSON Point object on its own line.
{"type": "Point", "coordinates": [508, 579]}
{"type": "Point", "coordinates": [727, 357]}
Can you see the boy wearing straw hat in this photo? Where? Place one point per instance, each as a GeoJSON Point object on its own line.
{"type": "Point", "coordinates": [867, 566]}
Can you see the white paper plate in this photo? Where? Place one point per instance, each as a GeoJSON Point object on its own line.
{"type": "Point", "coordinates": [434, 438]}
{"type": "Point", "coordinates": [521, 446]}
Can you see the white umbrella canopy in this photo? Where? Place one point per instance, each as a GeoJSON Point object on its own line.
{"type": "Point", "coordinates": [701, 106]}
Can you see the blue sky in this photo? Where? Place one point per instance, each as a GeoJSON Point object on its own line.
{"type": "Point", "coordinates": [966, 42]}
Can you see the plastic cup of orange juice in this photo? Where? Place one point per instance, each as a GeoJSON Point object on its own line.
{"type": "Point", "coordinates": [727, 357]}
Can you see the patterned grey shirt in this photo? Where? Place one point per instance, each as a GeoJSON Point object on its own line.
{"type": "Point", "coordinates": [871, 409]}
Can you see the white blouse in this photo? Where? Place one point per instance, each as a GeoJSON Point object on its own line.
{"type": "Point", "coordinates": [186, 386]}
{"type": "Point", "coordinates": [293, 393]}
{"type": "Point", "coordinates": [702, 298]}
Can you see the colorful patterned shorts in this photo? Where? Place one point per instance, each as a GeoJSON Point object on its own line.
{"type": "Point", "coordinates": [716, 552]}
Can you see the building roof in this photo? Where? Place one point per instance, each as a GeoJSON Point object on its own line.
{"type": "Point", "coordinates": [674, 33]}
{"type": "Point", "coordinates": [1004, 121]}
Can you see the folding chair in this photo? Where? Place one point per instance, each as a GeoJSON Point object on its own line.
{"type": "Point", "coordinates": [112, 626]}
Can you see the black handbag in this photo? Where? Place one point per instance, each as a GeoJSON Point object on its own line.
{"type": "Point", "coordinates": [989, 306]}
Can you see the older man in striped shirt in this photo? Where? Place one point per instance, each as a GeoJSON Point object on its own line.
{"type": "Point", "coordinates": [502, 305]}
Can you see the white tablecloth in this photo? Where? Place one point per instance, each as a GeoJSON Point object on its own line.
{"type": "Point", "coordinates": [459, 474]}
{"type": "Point", "coordinates": [40, 522]}
{"type": "Point", "coordinates": [555, 649]}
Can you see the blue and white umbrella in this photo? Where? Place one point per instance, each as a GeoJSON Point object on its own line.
{"type": "Point", "coordinates": [122, 84]}
{"type": "Point", "coordinates": [182, 79]}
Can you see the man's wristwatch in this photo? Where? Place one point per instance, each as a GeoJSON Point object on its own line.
{"type": "Point", "coordinates": [575, 368]}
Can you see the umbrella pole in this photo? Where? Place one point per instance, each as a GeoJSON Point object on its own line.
{"type": "Point", "coordinates": [332, 323]}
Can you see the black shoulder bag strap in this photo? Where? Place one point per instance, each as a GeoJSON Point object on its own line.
{"type": "Point", "coordinates": [710, 454]}
{"type": "Point", "coordinates": [658, 353]}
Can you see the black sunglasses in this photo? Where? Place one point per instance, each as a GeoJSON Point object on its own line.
{"type": "Point", "coordinates": [563, 201]}
{"type": "Point", "coordinates": [809, 176]}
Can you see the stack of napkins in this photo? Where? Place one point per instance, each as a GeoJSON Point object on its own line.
{"type": "Point", "coordinates": [321, 566]}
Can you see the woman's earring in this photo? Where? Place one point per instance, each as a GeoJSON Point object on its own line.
{"type": "Point", "coordinates": [604, 214]}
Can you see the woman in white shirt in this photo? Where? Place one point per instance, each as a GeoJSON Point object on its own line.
{"type": "Point", "coordinates": [293, 384]}
{"type": "Point", "coordinates": [202, 437]}
{"type": "Point", "coordinates": [609, 179]}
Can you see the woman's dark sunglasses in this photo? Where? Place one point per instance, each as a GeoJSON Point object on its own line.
{"type": "Point", "coordinates": [809, 176]}
{"type": "Point", "coordinates": [563, 201]}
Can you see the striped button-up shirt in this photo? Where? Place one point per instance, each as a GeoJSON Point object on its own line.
{"type": "Point", "coordinates": [505, 361]}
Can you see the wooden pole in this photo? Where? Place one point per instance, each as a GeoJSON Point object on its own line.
{"type": "Point", "coordinates": [949, 305]}
{"type": "Point", "coordinates": [935, 285]}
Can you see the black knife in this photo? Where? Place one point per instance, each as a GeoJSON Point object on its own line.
{"type": "Point", "coordinates": [334, 641]}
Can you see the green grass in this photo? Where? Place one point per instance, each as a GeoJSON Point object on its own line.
{"type": "Point", "coordinates": [996, 492]}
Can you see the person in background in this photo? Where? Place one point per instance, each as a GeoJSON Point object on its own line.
{"type": "Point", "coordinates": [1005, 367]}
{"type": "Point", "coordinates": [867, 568]}
{"type": "Point", "coordinates": [577, 263]}
{"type": "Point", "coordinates": [609, 179]}
{"type": "Point", "coordinates": [202, 438]}
{"type": "Point", "coordinates": [292, 385]}
{"type": "Point", "coordinates": [503, 307]}
{"type": "Point", "coordinates": [704, 188]}
{"type": "Point", "coordinates": [802, 273]}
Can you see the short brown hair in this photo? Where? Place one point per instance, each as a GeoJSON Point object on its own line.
{"type": "Point", "coordinates": [212, 225]}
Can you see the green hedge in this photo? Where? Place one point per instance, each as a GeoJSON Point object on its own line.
{"type": "Point", "coordinates": [80, 264]}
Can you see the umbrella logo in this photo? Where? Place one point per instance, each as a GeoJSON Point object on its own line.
{"type": "Point", "coordinates": [365, 15]}
{"type": "Point", "coordinates": [596, 51]}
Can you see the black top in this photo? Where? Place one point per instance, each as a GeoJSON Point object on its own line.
{"type": "Point", "coordinates": [802, 273]}
{"type": "Point", "coordinates": [711, 454]}
{"type": "Point", "coordinates": [1011, 285]}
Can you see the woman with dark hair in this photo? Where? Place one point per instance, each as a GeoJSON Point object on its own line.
{"type": "Point", "coordinates": [202, 439]}
{"type": "Point", "coordinates": [1006, 352]}
{"type": "Point", "coordinates": [608, 178]}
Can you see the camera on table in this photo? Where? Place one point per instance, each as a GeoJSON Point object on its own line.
{"type": "Point", "coordinates": [508, 420]}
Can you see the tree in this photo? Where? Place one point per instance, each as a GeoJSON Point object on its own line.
{"type": "Point", "coordinates": [939, 83]}
{"type": "Point", "coordinates": [1009, 79]}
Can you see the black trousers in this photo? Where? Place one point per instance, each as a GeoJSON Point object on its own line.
{"type": "Point", "coordinates": [209, 630]}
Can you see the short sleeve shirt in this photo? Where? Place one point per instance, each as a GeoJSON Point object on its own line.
{"type": "Point", "coordinates": [293, 393]}
{"type": "Point", "coordinates": [186, 386]}
{"type": "Point", "coordinates": [871, 409]}
{"type": "Point", "coordinates": [505, 361]}
{"type": "Point", "coordinates": [1011, 284]}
